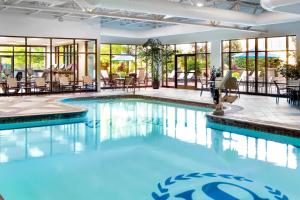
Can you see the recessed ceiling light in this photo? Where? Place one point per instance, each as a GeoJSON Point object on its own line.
{"type": "Point", "coordinates": [200, 4]}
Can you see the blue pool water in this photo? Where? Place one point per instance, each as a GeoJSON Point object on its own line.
{"type": "Point", "coordinates": [129, 149]}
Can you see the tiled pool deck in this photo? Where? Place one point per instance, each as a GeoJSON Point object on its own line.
{"type": "Point", "coordinates": [258, 109]}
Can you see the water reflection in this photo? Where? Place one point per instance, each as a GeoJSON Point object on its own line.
{"type": "Point", "coordinates": [125, 119]}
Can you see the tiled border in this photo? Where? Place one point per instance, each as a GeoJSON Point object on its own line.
{"type": "Point", "coordinates": [279, 129]}
{"type": "Point", "coordinates": [43, 117]}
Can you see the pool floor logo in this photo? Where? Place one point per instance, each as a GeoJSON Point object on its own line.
{"type": "Point", "coordinates": [201, 186]}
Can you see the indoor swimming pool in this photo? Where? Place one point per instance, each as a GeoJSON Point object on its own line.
{"type": "Point", "coordinates": [135, 149]}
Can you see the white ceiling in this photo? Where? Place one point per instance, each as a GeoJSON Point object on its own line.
{"type": "Point", "coordinates": [117, 15]}
{"type": "Point", "coordinates": [72, 10]}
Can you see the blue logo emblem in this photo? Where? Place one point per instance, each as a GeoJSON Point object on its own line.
{"type": "Point", "coordinates": [196, 186]}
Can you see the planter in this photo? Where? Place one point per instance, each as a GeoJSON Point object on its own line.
{"type": "Point", "coordinates": [155, 84]}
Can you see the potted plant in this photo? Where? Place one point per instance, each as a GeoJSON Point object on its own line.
{"type": "Point", "coordinates": [153, 53]}
{"type": "Point", "coordinates": [290, 71]}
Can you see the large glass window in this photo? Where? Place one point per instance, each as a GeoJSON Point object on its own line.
{"type": "Point", "coordinates": [256, 62]}
{"type": "Point", "coordinates": [202, 63]}
{"type": "Point", "coordinates": [119, 60]}
{"type": "Point", "coordinates": [46, 64]}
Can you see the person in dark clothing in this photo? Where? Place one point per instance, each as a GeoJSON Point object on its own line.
{"type": "Point", "coordinates": [19, 76]}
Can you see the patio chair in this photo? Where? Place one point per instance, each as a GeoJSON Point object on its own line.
{"type": "Point", "coordinates": [279, 91]}
{"type": "Point", "coordinates": [113, 83]}
{"type": "Point", "coordinates": [64, 83]}
{"type": "Point", "coordinates": [141, 78]}
{"type": "Point", "coordinates": [129, 81]}
{"type": "Point", "coordinates": [40, 84]}
{"type": "Point", "coordinates": [12, 84]}
{"type": "Point", "coordinates": [202, 85]}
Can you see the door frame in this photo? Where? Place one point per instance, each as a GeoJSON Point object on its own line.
{"type": "Point", "coordinates": [185, 71]}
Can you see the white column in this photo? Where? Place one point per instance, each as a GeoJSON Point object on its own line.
{"type": "Point", "coordinates": [298, 45]}
{"type": "Point", "coordinates": [215, 56]}
{"type": "Point", "coordinates": [98, 65]}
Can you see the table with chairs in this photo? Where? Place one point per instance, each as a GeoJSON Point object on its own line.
{"type": "Point", "coordinates": [291, 91]}
{"type": "Point", "coordinates": [13, 86]}
{"type": "Point", "coordinates": [130, 81]}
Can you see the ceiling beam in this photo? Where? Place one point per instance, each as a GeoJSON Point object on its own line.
{"type": "Point", "coordinates": [67, 11]}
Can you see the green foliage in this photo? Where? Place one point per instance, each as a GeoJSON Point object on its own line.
{"type": "Point", "coordinates": [153, 52]}
{"type": "Point", "coordinates": [105, 48]}
{"type": "Point", "coordinates": [35, 57]}
{"type": "Point", "coordinates": [290, 71]}
{"type": "Point", "coordinates": [241, 64]}
{"type": "Point", "coordinates": [235, 46]}
{"type": "Point", "coordinates": [117, 50]}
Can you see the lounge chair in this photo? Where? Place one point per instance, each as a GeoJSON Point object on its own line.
{"type": "Point", "coordinates": [181, 76]}
{"type": "Point", "coordinates": [191, 75]}
{"type": "Point", "coordinates": [69, 67]}
{"type": "Point", "coordinates": [40, 84]}
{"type": "Point", "coordinates": [171, 76]}
{"type": "Point", "coordinates": [62, 67]}
{"type": "Point", "coordinates": [243, 77]}
{"type": "Point", "coordinates": [105, 76]}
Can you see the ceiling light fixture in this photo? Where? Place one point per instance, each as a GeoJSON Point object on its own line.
{"type": "Point", "coordinates": [200, 4]}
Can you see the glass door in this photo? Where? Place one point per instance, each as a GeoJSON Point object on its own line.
{"type": "Point", "coordinates": [185, 71]}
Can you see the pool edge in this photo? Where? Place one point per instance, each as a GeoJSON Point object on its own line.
{"type": "Point", "coordinates": [263, 126]}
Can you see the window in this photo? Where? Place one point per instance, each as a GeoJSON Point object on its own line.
{"type": "Point", "coordinates": [256, 62]}
{"type": "Point", "coordinates": [119, 59]}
